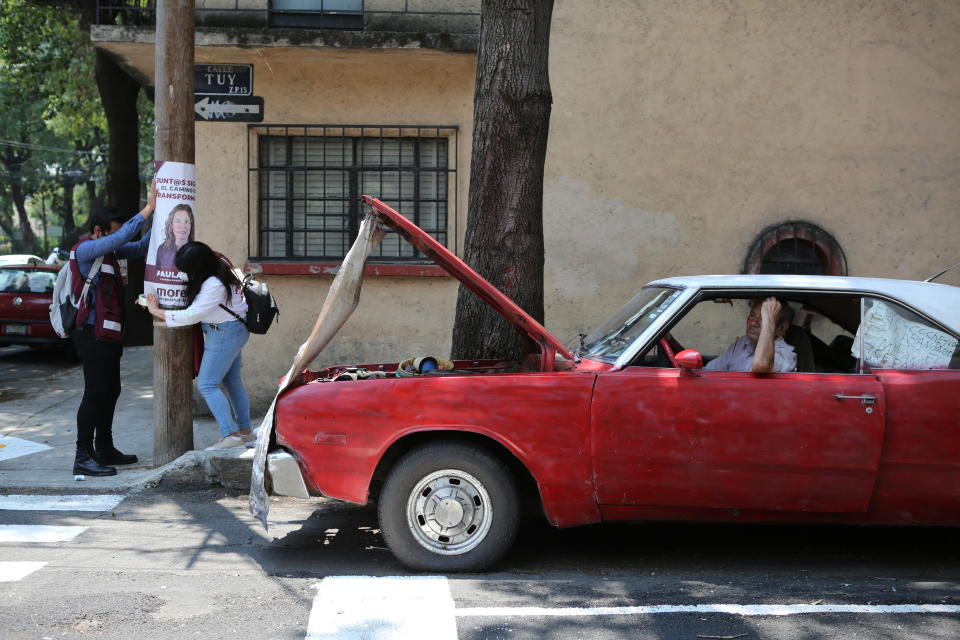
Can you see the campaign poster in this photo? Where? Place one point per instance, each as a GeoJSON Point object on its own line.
{"type": "Point", "coordinates": [174, 223]}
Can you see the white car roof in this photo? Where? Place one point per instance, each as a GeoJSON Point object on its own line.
{"type": "Point", "coordinates": [19, 259]}
{"type": "Point", "coordinates": [941, 302]}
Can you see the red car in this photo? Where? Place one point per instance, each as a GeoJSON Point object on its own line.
{"type": "Point", "coordinates": [26, 292]}
{"type": "Point", "coordinates": [616, 426]}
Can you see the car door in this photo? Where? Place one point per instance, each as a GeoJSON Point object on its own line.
{"type": "Point", "coordinates": [730, 440]}
{"type": "Point", "coordinates": [918, 364]}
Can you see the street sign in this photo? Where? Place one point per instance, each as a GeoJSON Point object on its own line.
{"type": "Point", "coordinates": [223, 79]}
{"type": "Point", "coordinates": [228, 109]}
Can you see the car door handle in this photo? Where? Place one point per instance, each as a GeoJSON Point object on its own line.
{"type": "Point", "coordinates": [866, 398]}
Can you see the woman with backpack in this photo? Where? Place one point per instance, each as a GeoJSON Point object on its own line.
{"type": "Point", "coordinates": [215, 297]}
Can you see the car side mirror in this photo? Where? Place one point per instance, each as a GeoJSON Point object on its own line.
{"type": "Point", "coordinates": [689, 360]}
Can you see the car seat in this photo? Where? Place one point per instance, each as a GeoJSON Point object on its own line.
{"type": "Point", "coordinates": [797, 338]}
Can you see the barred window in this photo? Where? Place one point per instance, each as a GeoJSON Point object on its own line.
{"type": "Point", "coordinates": [308, 184]}
{"type": "Point", "coordinates": [796, 247]}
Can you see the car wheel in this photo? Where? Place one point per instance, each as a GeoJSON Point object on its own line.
{"type": "Point", "coordinates": [449, 507]}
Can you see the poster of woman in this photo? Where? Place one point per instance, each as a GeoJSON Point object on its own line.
{"type": "Point", "coordinates": [179, 231]}
{"type": "Point", "coordinates": [174, 224]}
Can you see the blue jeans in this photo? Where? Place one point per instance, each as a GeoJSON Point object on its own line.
{"type": "Point", "coordinates": [222, 344]}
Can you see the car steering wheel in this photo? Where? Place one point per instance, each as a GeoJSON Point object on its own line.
{"type": "Point", "coordinates": [665, 345]}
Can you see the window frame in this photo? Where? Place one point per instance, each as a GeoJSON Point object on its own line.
{"type": "Point", "coordinates": [356, 134]}
{"type": "Point", "coordinates": [826, 246]}
{"type": "Point", "coordinates": [685, 304]}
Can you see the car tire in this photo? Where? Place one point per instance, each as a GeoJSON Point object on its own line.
{"type": "Point", "coordinates": [449, 507]}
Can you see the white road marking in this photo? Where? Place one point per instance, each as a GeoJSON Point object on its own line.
{"type": "Point", "coordinates": [734, 609]}
{"type": "Point", "coordinates": [11, 447]}
{"type": "Point", "coordinates": [38, 533]}
{"type": "Point", "coordinates": [364, 607]}
{"type": "Point", "coordinates": [104, 502]}
{"type": "Point", "coordinates": [13, 571]}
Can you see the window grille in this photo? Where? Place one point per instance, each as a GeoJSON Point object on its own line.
{"type": "Point", "coordinates": [306, 181]}
{"type": "Point", "coordinates": [796, 247]}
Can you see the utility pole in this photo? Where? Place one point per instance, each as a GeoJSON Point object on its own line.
{"type": "Point", "coordinates": [173, 347]}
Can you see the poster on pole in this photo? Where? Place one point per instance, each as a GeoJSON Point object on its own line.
{"type": "Point", "coordinates": [173, 227]}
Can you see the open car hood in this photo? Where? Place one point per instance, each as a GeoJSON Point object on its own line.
{"type": "Point", "coordinates": [426, 244]}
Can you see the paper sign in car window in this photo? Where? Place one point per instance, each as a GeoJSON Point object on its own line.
{"type": "Point", "coordinates": [891, 341]}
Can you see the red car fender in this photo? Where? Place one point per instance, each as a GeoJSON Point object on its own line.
{"type": "Point", "coordinates": [561, 506]}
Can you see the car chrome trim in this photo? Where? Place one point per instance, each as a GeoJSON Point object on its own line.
{"type": "Point", "coordinates": [286, 479]}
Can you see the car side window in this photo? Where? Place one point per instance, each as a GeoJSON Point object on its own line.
{"type": "Point", "coordinates": [894, 337]}
{"type": "Point", "coordinates": [820, 335]}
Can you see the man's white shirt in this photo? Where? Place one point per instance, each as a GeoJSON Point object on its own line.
{"type": "Point", "coordinates": [739, 357]}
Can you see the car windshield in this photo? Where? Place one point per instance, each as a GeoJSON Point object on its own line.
{"type": "Point", "coordinates": [26, 281]}
{"type": "Point", "coordinates": [610, 339]}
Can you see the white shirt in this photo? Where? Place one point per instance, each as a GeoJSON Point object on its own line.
{"type": "Point", "coordinates": [206, 306]}
{"type": "Point", "coordinates": [739, 357]}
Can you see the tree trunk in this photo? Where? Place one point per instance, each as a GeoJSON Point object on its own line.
{"type": "Point", "coordinates": [93, 199]}
{"type": "Point", "coordinates": [118, 92]}
{"type": "Point", "coordinates": [66, 207]}
{"type": "Point", "coordinates": [511, 118]}
{"type": "Point", "coordinates": [29, 238]}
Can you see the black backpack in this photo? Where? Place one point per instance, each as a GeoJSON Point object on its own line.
{"type": "Point", "coordinates": [261, 307]}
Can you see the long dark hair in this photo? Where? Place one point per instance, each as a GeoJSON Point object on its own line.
{"type": "Point", "coordinates": [199, 262]}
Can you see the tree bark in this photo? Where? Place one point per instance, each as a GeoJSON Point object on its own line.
{"type": "Point", "coordinates": [29, 238]}
{"type": "Point", "coordinates": [66, 206]}
{"type": "Point", "coordinates": [511, 118]}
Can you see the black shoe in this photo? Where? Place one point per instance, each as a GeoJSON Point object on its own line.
{"type": "Point", "coordinates": [114, 456]}
{"type": "Point", "coordinates": [85, 465]}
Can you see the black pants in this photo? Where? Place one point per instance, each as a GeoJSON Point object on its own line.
{"type": "Point", "coordinates": [101, 388]}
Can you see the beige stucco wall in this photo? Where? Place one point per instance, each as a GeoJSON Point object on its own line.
{"type": "Point", "coordinates": [682, 129]}
{"type": "Point", "coordinates": [679, 131]}
{"type": "Point", "coordinates": [398, 317]}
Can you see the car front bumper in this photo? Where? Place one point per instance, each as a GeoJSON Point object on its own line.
{"type": "Point", "coordinates": [286, 479]}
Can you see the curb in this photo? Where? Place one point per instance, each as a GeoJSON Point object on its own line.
{"type": "Point", "coordinates": [229, 468]}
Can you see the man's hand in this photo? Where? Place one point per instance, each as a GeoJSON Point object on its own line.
{"type": "Point", "coordinates": [769, 312]}
{"type": "Point", "coordinates": [763, 356]}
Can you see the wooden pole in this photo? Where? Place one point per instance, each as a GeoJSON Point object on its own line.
{"type": "Point", "coordinates": [173, 348]}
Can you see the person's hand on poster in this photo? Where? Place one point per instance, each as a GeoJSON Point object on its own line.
{"type": "Point", "coordinates": [151, 200]}
{"type": "Point", "coordinates": [154, 307]}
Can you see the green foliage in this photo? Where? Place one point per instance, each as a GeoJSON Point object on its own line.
{"type": "Point", "coordinates": [51, 118]}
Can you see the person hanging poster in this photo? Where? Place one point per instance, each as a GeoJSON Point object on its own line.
{"type": "Point", "coordinates": [173, 227]}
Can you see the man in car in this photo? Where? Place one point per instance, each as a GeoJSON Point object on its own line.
{"type": "Point", "coordinates": [762, 349]}
{"type": "Point", "coordinates": [98, 333]}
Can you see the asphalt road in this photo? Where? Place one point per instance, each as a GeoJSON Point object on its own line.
{"type": "Point", "coordinates": [196, 565]}
{"type": "Point", "coordinates": [19, 366]}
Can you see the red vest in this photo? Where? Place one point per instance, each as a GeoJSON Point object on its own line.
{"type": "Point", "coordinates": [109, 303]}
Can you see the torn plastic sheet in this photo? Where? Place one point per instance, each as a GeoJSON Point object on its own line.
{"type": "Point", "coordinates": [339, 304]}
{"type": "Point", "coordinates": [892, 341]}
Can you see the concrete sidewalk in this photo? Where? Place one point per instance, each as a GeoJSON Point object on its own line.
{"type": "Point", "coordinates": [45, 416]}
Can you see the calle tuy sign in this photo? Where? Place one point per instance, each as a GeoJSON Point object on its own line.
{"type": "Point", "coordinates": [223, 79]}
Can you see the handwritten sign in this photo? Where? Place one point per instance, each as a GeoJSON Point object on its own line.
{"type": "Point", "coordinates": [891, 341]}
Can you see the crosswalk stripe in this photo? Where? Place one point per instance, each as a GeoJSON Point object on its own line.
{"type": "Point", "coordinates": [100, 502]}
{"type": "Point", "coordinates": [17, 570]}
{"type": "Point", "coordinates": [356, 607]}
{"type": "Point", "coordinates": [38, 533]}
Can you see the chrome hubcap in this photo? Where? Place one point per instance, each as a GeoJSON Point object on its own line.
{"type": "Point", "coordinates": [449, 512]}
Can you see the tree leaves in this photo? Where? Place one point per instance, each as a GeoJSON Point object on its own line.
{"type": "Point", "coordinates": [51, 119]}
